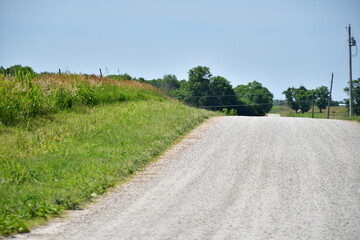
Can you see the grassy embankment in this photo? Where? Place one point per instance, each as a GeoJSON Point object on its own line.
{"type": "Point", "coordinates": [340, 113]}
{"type": "Point", "coordinates": [62, 142]}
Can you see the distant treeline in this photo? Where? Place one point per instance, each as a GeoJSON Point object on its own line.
{"type": "Point", "coordinates": [302, 99]}
{"type": "Point", "coordinates": [279, 102]}
{"type": "Point", "coordinates": [15, 69]}
{"type": "Point", "coordinates": [204, 90]}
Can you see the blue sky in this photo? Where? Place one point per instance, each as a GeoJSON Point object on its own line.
{"type": "Point", "coordinates": [280, 43]}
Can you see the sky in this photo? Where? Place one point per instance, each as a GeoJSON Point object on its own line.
{"type": "Point", "coordinates": [279, 43]}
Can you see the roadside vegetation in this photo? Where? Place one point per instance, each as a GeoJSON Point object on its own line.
{"type": "Point", "coordinates": [68, 138]}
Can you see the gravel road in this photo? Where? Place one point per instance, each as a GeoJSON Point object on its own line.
{"type": "Point", "coordinates": [235, 178]}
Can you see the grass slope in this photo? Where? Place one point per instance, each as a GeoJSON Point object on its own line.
{"type": "Point", "coordinates": [61, 160]}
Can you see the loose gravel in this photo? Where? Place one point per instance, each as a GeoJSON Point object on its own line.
{"type": "Point", "coordinates": [235, 178]}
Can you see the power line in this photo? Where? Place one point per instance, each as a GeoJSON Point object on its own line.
{"type": "Point", "coordinates": [342, 60]}
{"type": "Point", "coordinates": [212, 96]}
{"type": "Point", "coordinates": [236, 105]}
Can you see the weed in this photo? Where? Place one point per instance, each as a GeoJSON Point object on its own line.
{"type": "Point", "coordinates": [10, 224]}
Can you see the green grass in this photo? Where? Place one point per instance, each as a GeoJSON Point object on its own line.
{"type": "Point", "coordinates": [59, 160]}
{"type": "Point", "coordinates": [282, 110]}
{"type": "Point", "coordinates": [61, 163]}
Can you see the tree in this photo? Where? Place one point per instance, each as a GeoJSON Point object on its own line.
{"type": "Point", "coordinates": [290, 98]}
{"type": "Point", "coordinates": [199, 86]}
{"type": "Point", "coordinates": [298, 98]}
{"type": "Point", "coordinates": [155, 82]}
{"type": "Point", "coordinates": [355, 96]}
{"type": "Point", "coordinates": [121, 77]}
{"type": "Point", "coordinates": [222, 93]}
{"type": "Point", "coordinates": [321, 97]}
{"type": "Point", "coordinates": [2, 70]}
{"type": "Point", "coordinates": [257, 96]}
{"type": "Point", "coordinates": [279, 102]}
{"type": "Point", "coordinates": [13, 70]}
{"type": "Point", "coordinates": [141, 79]}
{"type": "Point", "coordinates": [169, 83]}
{"type": "Point", "coordinates": [182, 93]}
{"type": "Point", "coordinates": [334, 103]}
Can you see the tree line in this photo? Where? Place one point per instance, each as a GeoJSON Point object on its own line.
{"type": "Point", "coordinates": [204, 90]}
{"type": "Point", "coordinates": [301, 99]}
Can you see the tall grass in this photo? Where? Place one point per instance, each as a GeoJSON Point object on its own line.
{"type": "Point", "coordinates": [27, 95]}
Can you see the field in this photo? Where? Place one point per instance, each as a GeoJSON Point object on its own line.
{"type": "Point", "coordinates": [58, 157]}
{"type": "Point", "coordinates": [335, 113]}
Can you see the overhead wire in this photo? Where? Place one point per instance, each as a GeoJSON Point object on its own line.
{"type": "Point", "coordinates": [356, 47]}
{"type": "Point", "coordinates": [210, 96]}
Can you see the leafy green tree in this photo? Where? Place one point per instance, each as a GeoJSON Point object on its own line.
{"type": "Point", "coordinates": [121, 77]}
{"type": "Point", "coordinates": [334, 103]}
{"type": "Point", "coordinates": [304, 98]}
{"type": "Point", "coordinates": [2, 70]}
{"type": "Point", "coordinates": [155, 82]}
{"type": "Point", "coordinates": [290, 98]}
{"type": "Point", "coordinates": [181, 93]}
{"type": "Point", "coordinates": [169, 83]}
{"type": "Point", "coordinates": [279, 102]}
{"type": "Point", "coordinates": [355, 95]}
{"type": "Point", "coordinates": [298, 98]}
{"type": "Point", "coordinates": [321, 97]}
{"type": "Point", "coordinates": [13, 70]}
{"type": "Point", "coordinates": [222, 93]}
{"type": "Point", "coordinates": [257, 96]}
{"type": "Point", "coordinates": [199, 86]}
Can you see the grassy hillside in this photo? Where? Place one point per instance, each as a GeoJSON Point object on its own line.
{"type": "Point", "coordinates": [56, 158]}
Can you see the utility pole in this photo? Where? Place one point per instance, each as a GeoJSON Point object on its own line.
{"type": "Point", "coordinates": [313, 105]}
{"type": "Point", "coordinates": [352, 42]}
{"type": "Point", "coordinates": [331, 84]}
{"type": "Point", "coordinates": [100, 73]}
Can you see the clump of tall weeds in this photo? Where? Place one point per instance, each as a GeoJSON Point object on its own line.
{"type": "Point", "coordinates": [20, 98]}
{"type": "Point", "coordinates": [27, 95]}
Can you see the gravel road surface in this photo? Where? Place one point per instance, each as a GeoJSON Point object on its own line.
{"type": "Point", "coordinates": [235, 178]}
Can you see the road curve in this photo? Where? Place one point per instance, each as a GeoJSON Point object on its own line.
{"type": "Point", "coordinates": [235, 178]}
